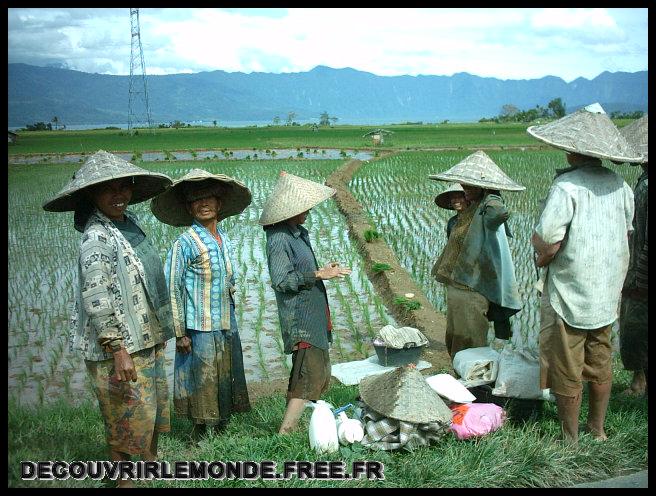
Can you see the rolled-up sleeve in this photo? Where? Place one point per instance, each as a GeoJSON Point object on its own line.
{"type": "Point", "coordinates": [174, 270]}
{"type": "Point", "coordinates": [284, 277]}
{"type": "Point", "coordinates": [495, 212]}
{"type": "Point", "coordinates": [95, 279]}
{"type": "Point", "coordinates": [556, 216]}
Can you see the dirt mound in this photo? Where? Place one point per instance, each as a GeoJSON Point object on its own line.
{"type": "Point", "coordinates": [392, 283]}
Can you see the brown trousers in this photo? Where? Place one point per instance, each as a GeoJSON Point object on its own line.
{"type": "Point", "coordinates": [466, 319]}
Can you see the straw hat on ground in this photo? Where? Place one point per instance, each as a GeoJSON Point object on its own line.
{"type": "Point", "coordinates": [99, 168]}
{"type": "Point", "coordinates": [291, 196]}
{"type": "Point", "coordinates": [171, 206]}
{"type": "Point", "coordinates": [443, 200]}
{"type": "Point", "coordinates": [480, 171]}
{"type": "Point", "coordinates": [588, 131]}
{"type": "Point", "coordinates": [636, 134]}
{"type": "Point", "coordinates": [404, 394]}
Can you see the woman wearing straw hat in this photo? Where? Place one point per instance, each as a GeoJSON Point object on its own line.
{"type": "Point", "coordinates": [582, 237]}
{"type": "Point", "coordinates": [300, 293]}
{"type": "Point", "coordinates": [209, 378]}
{"type": "Point", "coordinates": [476, 265]}
{"type": "Point", "coordinates": [634, 348]}
{"type": "Point", "coordinates": [452, 198]}
{"type": "Point", "coordinates": [122, 315]}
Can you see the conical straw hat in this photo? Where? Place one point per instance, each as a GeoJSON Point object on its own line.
{"type": "Point", "coordinates": [444, 198]}
{"type": "Point", "coordinates": [636, 134]}
{"type": "Point", "coordinates": [404, 394]}
{"type": "Point", "coordinates": [480, 171]}
{"type": "Point", "coordinates": [291, 196]}
{"type": "Point", "coordinates": [588, 131]}
{"type": "Point", "coordinates": [101, 167]}
{"type": "Point", "coordinates": [170, 207]}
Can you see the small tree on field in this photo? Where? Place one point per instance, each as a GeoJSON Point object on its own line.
{"type": "Point", "coordinates": [557, 107]}
{"type": "Point", "coordinates": [334, 119]}
{"type": "Point", "coordinates": [290, 118]}
{"type": "Point", "coordinates": [324, 119]}
{"type": "Point", "coordinates": [276, 121]}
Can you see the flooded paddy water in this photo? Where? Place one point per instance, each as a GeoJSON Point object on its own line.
{"type": "Point", "coordinates": [197, 155]}
{"type": "Point", "coordinates": [43, 248]}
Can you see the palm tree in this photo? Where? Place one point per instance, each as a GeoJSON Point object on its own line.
{"type": "Point", "coordinates": [55, 119]}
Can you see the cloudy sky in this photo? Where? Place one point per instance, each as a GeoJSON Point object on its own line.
{"type": "Point", "coordinates": [501, 43]}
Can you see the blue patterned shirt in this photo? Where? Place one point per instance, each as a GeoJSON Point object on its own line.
{"type": "Point", "coordinates": [200, 276]}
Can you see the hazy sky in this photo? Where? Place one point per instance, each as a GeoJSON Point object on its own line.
{"type": "Point", "coordinates": [502, 43]}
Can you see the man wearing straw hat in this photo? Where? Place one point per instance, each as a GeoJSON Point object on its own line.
{"type": "Point", "coordinates": [122, 316]}
{"type": "Point", "coordinates": [300, 292]}
{"type": "Point", "coordinates": [476, 265]}
{"type": "Point", "coordinates": [581, 239]}
{"type": "Point", "coordinates": [633, 311]}
{"type": "Point", "coordinates": [209, 378]}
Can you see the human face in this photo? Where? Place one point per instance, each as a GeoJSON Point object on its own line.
{"type": "Point", "coordinates": [472, 193]}
{"type": "Point", "coordinates": [458, 201]}
{"type": "Point", "coordinates": [112, 197]}
{"type": "Point", "coordinates": [299, 219]}
{"type": "Point", "coordinates": [205, 210]}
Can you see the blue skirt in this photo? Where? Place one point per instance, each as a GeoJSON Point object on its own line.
{"type": "Point", "coordinates": [209, 383]}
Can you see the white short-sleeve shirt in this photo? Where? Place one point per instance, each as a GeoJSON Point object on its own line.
{"type": "Point", "coordinates": [589, 209]}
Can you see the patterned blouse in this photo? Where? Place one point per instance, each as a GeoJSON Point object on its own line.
{"type": "Point", "coordinates": [112, 301]}
{"type": "Point", "coordinates": [200, 273]}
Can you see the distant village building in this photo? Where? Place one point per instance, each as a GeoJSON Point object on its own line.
{"type": "Point", "coordinates": [378, 135]}
{"type": "Point", "coordinates": [12, 137]}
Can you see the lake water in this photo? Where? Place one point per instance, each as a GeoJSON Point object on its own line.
{"type": "Point", "coordinates": [280, 153]}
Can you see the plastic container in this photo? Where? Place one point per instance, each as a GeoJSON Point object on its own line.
{"type": "Point", "coordinates": [395, 357]}
{"type": "Point", "coordinates": [349, 430]}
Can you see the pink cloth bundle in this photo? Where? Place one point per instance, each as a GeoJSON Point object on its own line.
{"type": "Point", "coordinates": [476, 419]}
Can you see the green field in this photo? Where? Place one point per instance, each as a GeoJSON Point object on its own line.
{"type": "Point", "coordinates": [45, 379]}
{"type": "Point", "coordinates": [405, 136]}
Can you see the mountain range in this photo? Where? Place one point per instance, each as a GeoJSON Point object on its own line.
{"type": "Point", "coordinates": [76, 98]}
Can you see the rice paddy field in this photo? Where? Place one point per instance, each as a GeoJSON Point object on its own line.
{"type": "Point", "coordinates": [201, 138]}
{"type": "Point", "coordinates": [43, 247]}
{"type": "Point", "coordinates": [399, 197]}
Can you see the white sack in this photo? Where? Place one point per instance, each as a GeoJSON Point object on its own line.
{"type": "Point", "coordinates": [476, 366]}
{"type": "Point", "coordinates": [519, 376]}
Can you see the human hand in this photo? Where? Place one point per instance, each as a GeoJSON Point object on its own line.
{"type": "Point", "coordinates": [183, 345]}
{"type": "Point", "coordinates": [124, 366]}
{"type": "Point", "coordinates": [331, 270]}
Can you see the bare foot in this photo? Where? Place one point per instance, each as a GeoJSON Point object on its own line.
{"type": "Point", "coordinates": [633, 392]}
{"type": "Point", "coordinates": [597, 435]}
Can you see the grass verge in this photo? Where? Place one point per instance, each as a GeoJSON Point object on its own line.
{"type": "Point", "coordinates": [521, 454]}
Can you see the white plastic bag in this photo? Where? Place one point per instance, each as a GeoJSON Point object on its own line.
{"type": "Point", "coordinates": [448, 387]}
{"type": "Point", "coordinates": [519, 375]}
{"type": "Point", "coordinates": [323, 428]}
{"type": "Point", "coordinates": [476, 366]}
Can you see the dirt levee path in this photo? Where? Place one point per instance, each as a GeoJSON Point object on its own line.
{"type": "Point", "coordinates": [394, 282]}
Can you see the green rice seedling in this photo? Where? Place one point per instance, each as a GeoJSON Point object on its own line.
{"type": "Point", "coordinates": [371, 235]}
{"type": "Point", "coordinates": [380, 267]}
{"type": "Point", "coordinates": [407, 304]}
{"type": "Point", "coordinates": [40, 391]}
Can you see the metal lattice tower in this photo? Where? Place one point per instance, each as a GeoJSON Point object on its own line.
{"type": "Point", "coordinates": [138, 96]}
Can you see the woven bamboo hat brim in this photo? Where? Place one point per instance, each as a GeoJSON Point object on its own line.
{"type": "Point", "coordinates": [404, 394]}
{"type": "Point", "coordinates": [170, 207]}
{"type": "Point", "coordinates": [589, 133]}
{"type": "Point", "coordinates": [636, 134]}
{"type": "Point", "coordinates": [291, 196]}
{"type": "Point", "coordinates": [480, 171]}
{"type": "Point", "coordinates": [101, 167]}
{"type": "Point", "coordinates": [444, 198]}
